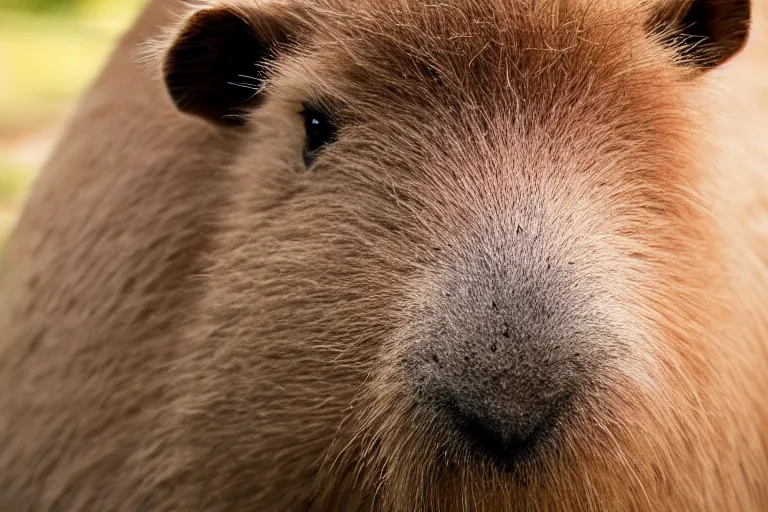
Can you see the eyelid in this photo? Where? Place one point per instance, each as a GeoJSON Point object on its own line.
{"type": "Point", "coordinates": [307, 107]}
{"type": "Point", "coordinates": [327, 108]}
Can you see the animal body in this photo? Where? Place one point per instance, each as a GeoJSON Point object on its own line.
{"type": "Point", "coordinates": [398, 255]}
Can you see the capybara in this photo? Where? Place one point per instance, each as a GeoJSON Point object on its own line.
{"type": "Point", "coordinates": [400, 255]}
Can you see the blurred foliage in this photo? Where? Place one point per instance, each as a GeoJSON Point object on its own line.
{"type": "Point", "coordinates": [49, 52]}
{"type": "Point", "coordinates": [47, 58]}
{"type": "Point", "coordinates": [40, 5]}
{"type": "Point", "coordinates": [14, 180]}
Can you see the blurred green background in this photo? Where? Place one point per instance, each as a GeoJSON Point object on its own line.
{"type": "Point", "coordinates": [49, 52]}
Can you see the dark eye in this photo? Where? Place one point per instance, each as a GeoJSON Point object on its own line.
{"type": "Point", "coordinates": [320, 132]}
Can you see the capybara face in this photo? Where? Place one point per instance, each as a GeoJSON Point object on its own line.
{"type": "Point", "coordinates": [465, 265]}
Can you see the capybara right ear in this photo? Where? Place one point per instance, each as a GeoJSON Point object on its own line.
{"type": "Point", "coordinates": [217, 65]}
{"type": "Point", "coordinates": [705, 33]}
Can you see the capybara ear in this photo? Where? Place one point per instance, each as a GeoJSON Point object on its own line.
{"type": "Point", "coordinates": [705, 33]}
{"type": "Point", "coordinates": [216, 66]}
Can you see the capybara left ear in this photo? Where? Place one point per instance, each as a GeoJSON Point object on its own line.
{"type": "Point", "coordinates": [218, 63]}
{"type": "Point", "coordinates": [705, 33]}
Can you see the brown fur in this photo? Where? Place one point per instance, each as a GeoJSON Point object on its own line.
{"type": "Point", "coordinates": [193, 321]}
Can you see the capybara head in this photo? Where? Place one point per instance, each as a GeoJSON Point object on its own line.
{"type": "Point", "coordinates": [465, 264]}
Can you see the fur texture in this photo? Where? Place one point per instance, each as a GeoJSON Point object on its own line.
{"type": "Point", "coordinates": [192, 319]}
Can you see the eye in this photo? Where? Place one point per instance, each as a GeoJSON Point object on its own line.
{"type": "Point", "coordinates": [320, 131]}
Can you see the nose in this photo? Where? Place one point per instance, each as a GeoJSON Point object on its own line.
{"type": "Point", "coordinates": [507, 359]}
{"type": "Point", "coordinates": [505, 426]}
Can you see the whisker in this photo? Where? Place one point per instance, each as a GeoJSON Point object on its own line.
{"type": "Point", "coordinates": [244, 86]}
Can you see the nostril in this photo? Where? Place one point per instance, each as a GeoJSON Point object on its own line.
{"type": "Point", "coordinates": [505, 330]}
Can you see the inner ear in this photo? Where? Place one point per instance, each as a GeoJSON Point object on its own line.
{"type": "Point", "coordinates": [705, 33]}
{"type": "Point", "coordinates": [218, 64]}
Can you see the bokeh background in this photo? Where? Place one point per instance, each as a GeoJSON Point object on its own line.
{"type": "Point", "coordinates": [49, 52]}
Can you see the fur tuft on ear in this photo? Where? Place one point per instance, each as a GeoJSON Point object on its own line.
{"type": "Point", "coordinates": [705, 33]}
{"type": "Point", "coordinates": [216, 66]}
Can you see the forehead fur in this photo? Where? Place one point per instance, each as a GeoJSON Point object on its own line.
{"type": "Point", "coordinates": [480, 51]}
{"type": "Point", "coordinates": [544, 66]}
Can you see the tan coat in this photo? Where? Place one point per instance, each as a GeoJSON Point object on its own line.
{"type": "Point", "coordinates": [192, 319]}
